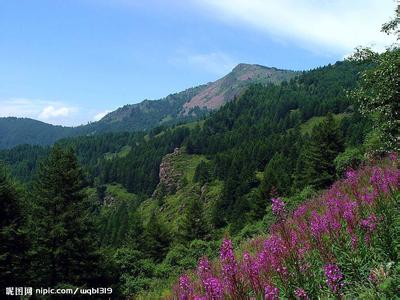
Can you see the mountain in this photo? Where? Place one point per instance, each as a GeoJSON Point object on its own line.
{"type": "Point", "coordinates": [184, 106]}
{"type": "Point", "coordinates": [191, 103]}
{"type": "Point", "coordinates": [14, 131]}
{"type": "Point", "coordinates": [223, 90]}
{"type": "Point", "coordinates": [164, 198]}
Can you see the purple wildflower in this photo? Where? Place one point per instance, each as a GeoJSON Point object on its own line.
{"type": "Point", "coordinates": [367, 196]}
{"type": "Point", "coordinates": [318, 225]}
{"type": "Point", "coordinates": [214, 288]}
{"type": "Point", "coordinates": [351, 177]}
{"type": "Point", "coordinates": [334, 277]}
{"type": "Point", "coordinates": [300, 294]}
{"type": "Point", "coordinates": [275, 251]}
{"type": "Point", "coordinates": [204, 269]}
{"type": "Point", "coordinates": [349, 214]}
{"type": "Point", "coordinates": [301, 211]}
{"type": "Point", "coordinates": [278, 207]}
{"type": "Point", "coordinates": [369, 224]}
{"type": "Point", "coordinates": [251, 269]}
{"type": "Point", "coordinates": [229, 264]}
{"type": "Point", "coordinates": [185, 287]}
{"type": "Point", "coordinates": [271, 293]}
{"type": "Point", "coordinates": [354, 241]}
{"type": "Point", "coordinates": [393, 156]}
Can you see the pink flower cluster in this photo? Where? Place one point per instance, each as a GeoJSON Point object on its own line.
{"type": "Point", "coordinates": [313, 235]}
{"type": "Point", "coordinates": [271, 293]}
{"type": "Point", "coordinates": [278, 206]}
{"type": "Point", "coordinates": [334, 278]}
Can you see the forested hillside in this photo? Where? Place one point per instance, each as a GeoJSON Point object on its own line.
{"type": "Point", "coordinates": [15, 131]}
{"type": "Point", "coordinates": [188, 105]}
{"type": "Point", "coordinates": [135, 210]}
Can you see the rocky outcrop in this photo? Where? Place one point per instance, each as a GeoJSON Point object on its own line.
{"type": "Point", "coordinates": [170, 178]}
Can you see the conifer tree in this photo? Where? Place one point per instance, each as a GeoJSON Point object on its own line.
{"type": "Point", "coordinates": [135, 232]}
{"type": "Point", "coordinates": [193, 225]}
{"type": "Point", "coordinates": [325, 144]}
{"type": "Point", "coordinates": [201, 173]}
{"type": "Point", "coordinates": [64, 244]}
{"type": "Point", "coordinates": [277, 175]}
{"type": "Point", "coordinates": [156, 239]}
{"type": "Point", "coordinates": [13, 240]}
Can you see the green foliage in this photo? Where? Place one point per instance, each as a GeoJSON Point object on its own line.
{"type": "Point", "coordinates": [351, 158]}
{"type": "Point", "coordinates": [378, 96]}
{"type": "Point", "coordinates": [145, 241]}
{"type": "Point", "coordinates": [135, 270]}
{"type": "Point", "coordinates": [23, 160]}
{"type": "Point", "coordinates": [276, 177]}
{"type": "Point", "coordinates": [316, 166]}
{"type": "Point", "coordinates": [13, 238]}
{"type": "Point", "coordinates": [156, 239]}
{"type": "Point", "coordinates": [64, 248]}
{"type": "Point", "coordinates": [201, 174]}
{"type": "Point", "coordinates": [17, 131]}
{"type": "Point", "coordinates": [194, 225]}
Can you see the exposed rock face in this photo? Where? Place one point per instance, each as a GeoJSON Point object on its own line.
{"type": "Point", "coordinates": [170, 178]}
{"type": "Point", "coordinates": [225, 89]}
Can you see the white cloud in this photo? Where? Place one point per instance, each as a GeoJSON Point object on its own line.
{"type": "Point", "coordinates": [49, 111]}
{"type": "Point", "coordinates": [100, 115]}
{"type": "Point", "coordinates": [320, 25]}
{"type": "Point", "coordinates": [217, 63]}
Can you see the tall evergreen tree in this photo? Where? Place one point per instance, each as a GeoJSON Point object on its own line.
{"type": "Point", "coordinates": [201, 174]}
{"type": "Point", "coordinates": [194, 225]}
{"type": "Point", "coordinates": [156, 239]}
{"type": "Point", "coordinates": [325, 144]}
{"type": "Point", "coordinates": [277, 176]}
{"type": "Point", "coordinates": [135, 231]}
{"type": "Point", "coordinates": [13, 240]}
{"type": "Point", "coordinates": [64, 244]}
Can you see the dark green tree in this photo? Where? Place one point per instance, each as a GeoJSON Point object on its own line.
{"type": "Point", "coordinates": [194, 225]}
{"type": "Point", "coordinates": [378, 92]}
{"type": "Point", "coordinates": [135, 231]}
{"type": "Point", "coordinates": [156, 239]}
{"type": "Point", "coordinates": [325, 144]}
{"type": "Point", "coordinates": [13, 239]}
{"type": "Point", "coordinates": [64, 248]}
{"type": "Point", "coordinates": [201, 174]}
{"type": "Point", "coordinates": [277, 176]}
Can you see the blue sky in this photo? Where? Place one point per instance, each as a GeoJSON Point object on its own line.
{"type": "Point", "coordinates": [70, 61]}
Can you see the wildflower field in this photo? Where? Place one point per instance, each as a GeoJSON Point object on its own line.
{"type": "Point", "coordinates": [343, 244]}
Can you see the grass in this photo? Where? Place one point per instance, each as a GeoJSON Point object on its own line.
{"type": "Point", "coordinates": [122, 153]}
{"type": "Point", "coordinates": [307, 127]}
{"type": "Point", "coordinates": [173, 205]}
{"type": "Point", "coordinates": [119, 192]}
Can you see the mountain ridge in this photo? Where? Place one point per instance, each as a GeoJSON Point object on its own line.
{"type": "Point", "coordinates": [187, 105]}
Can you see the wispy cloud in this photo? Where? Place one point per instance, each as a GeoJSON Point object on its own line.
{"type": "Point", "coordinates": [335, 26]}
{"type": "Point", "coordinates": [217, 63]}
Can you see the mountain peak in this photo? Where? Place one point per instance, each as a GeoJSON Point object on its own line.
{"type": "Point", "coordinates": [244, 66]}
{"type": "Point", "coordinates": [225, 89]}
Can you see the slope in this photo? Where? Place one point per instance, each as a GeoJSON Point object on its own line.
{"type": "Point", "coordinates": [179, 107]}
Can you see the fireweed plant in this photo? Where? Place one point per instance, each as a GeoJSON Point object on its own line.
{"type": "Point", "coordinates": [327, 246]}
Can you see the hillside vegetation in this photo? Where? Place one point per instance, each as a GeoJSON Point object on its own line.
{"type": "Point", "coordinates": [137, 211]}
{"type": "Point", "coordinates": [188, 105]}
